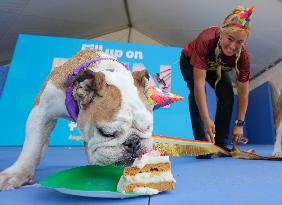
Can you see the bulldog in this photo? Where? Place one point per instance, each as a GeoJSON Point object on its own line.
{"type": "Point", "coordinates": [278, 127]}
{"type": "Point", "coordinates": [107, 101]}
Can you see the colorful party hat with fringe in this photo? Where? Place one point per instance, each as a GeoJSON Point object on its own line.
{"type": "Point", "coordinates": [243, 19]}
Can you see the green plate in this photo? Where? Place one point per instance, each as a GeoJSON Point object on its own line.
{"type": "Point", "coordinates": [90, 181]}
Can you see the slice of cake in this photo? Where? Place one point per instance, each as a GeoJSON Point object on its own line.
{"type": "Point", "coordinates": [149, 174]}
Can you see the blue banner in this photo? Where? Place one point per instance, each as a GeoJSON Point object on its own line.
{"type": "Point", "coordinates": [3, 74]}
{"type": "Point", "coordinates": [36, 56]}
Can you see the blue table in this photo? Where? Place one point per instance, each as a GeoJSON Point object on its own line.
{"type": "Point", "coordinates": [216, 181]}
{"type": "Point", "coordinates": [56, 159]}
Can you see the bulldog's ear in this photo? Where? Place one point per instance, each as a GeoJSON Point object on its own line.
{"type": "Point", "coordinates": [87, 86]}
{"type": "Point", "coordinates": [141, 79]}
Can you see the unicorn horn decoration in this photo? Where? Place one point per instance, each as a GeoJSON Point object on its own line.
{"type": "Point", "coordinates": [160, 98]}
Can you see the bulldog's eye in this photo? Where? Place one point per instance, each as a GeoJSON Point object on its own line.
{"type": "Point", "coordinates": [106, 134]}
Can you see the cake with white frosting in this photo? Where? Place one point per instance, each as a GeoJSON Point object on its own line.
{"type": "Point", "coordinates": [149, 174]}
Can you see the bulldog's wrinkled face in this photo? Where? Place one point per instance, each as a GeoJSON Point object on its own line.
{"type": "Point", "coordinates": [114, 119]}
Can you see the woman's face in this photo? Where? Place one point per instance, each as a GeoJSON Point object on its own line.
{"type": "Point", "coordinates": [231, 42]}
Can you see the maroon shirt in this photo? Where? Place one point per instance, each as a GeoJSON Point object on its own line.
{"type": "Point", "coordinates": [202, 53]}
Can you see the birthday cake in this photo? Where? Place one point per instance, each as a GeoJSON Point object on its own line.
{"type": "Point", "coordinates": [149, 174]}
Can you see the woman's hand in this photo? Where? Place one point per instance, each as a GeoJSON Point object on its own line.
{"type": "Point", "coordinates": [238, 135]}
{"type": "Point", "coordinates": [209, 130]}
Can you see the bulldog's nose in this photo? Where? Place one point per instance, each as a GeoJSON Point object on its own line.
{"type": "Point", "coordinates": [132, 145]}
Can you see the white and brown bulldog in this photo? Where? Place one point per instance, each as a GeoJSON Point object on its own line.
{"type": "Point", "coordinates": [278, 127]}
{"type": "Point", "coordinates": [114, 118]}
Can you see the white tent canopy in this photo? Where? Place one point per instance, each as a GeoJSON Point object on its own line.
{"type": "Point", "coordinates": [165, 22]}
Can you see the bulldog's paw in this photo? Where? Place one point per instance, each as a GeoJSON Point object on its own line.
{"type": "Point", "coordinates": [12, 180]}
{"type": "Point", "coordinates": [277, 153]}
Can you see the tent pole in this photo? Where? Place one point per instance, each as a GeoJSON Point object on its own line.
{"type": "Point", "coordinates": [128, 20]}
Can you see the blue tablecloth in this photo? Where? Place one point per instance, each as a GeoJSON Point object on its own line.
{"type": "Point", "coordinates": [216, 181]}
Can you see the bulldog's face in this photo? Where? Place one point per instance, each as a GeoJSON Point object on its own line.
{"type": "Point", "coordinates": [114, 119]}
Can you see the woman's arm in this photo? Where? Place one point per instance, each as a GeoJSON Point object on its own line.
{"type": "Point", "coordinates": [200, 98]}
{"type": "Point", "coordinates": [200, 93]}
{"type": "Point", "coordinates": [243, 96]}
